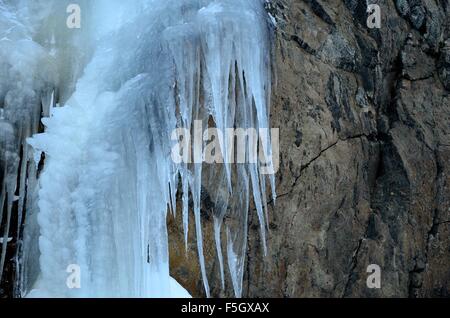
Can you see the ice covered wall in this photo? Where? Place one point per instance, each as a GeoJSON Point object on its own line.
{"type": "Point", "coordinates": [109, 178]}
{"type": "Point", "coordinates": [39, 64]}
{"type": "Point", "coordinates": [27, 78]}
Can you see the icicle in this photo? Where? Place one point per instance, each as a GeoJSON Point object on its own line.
{"type": "Point", "coordinates": [185, 209]}
{"type": "Point", "coordinates": [26, 76]}
{"type": "Point", "coordinates": [218, 241]}
{"type": "Point", "coordinates": [109, 178]}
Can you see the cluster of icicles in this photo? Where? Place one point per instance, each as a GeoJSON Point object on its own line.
{"type": "Point", "coordinates": [150, 66]}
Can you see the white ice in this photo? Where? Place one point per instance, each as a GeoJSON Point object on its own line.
{"type": "Point", "coordinates": [137, 71]}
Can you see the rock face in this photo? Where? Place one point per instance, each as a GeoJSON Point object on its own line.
{"type": "Point", "coordinates": [364, 118]}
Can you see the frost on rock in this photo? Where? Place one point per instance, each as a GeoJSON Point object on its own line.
{"type": "Point", "coordinates": [109, 178]}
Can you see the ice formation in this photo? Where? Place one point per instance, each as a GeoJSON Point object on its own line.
{"type": "Point", "coordinates": [27, 77]}
{"type": "Point", "coordinates": [149, 67]}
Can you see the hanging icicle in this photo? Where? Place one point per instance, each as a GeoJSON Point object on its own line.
{"type": "Point", "coordinates": [156, 68]}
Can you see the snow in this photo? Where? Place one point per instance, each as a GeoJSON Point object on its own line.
{"type": "Point", "coordinates": [139, 70]}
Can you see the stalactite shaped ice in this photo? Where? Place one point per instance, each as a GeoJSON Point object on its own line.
{"type": "Point", "coordinates": [109, 177]}
{"type": "Point", "coordinates": [27, 79]}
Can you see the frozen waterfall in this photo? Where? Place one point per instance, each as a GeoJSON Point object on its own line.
{"type": "Point", "coordinates": [113, 93]}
